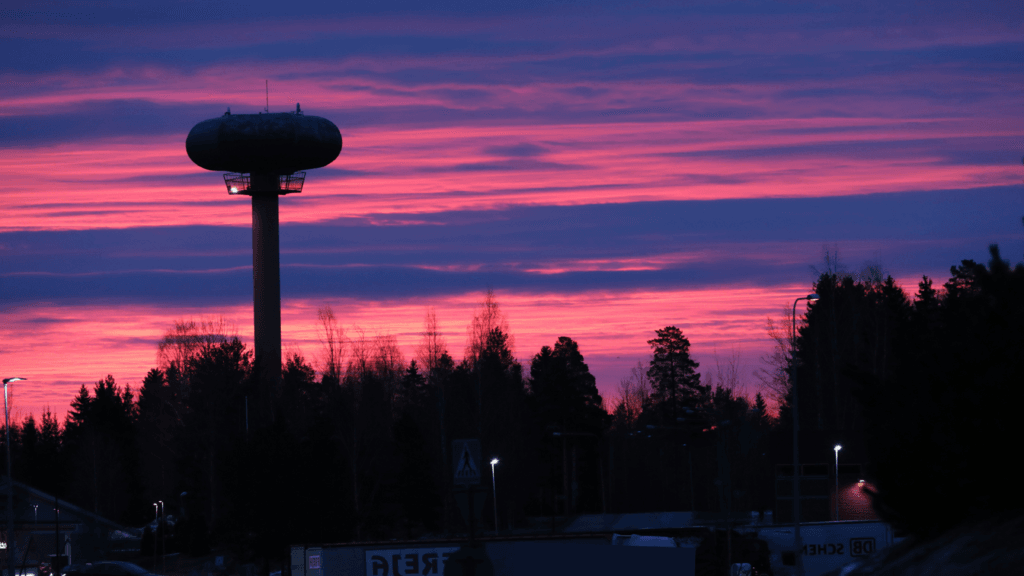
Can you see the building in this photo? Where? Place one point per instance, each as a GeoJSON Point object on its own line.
{"type": "Point", "coordinates": [44, 524]}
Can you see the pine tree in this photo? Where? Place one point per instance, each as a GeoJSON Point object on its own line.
{"type": "Point", "coordinates": [563, 391]}
{"type": "Point", "coordinates": [674, 378]}
{"type": "Point", "coordinates": [51, 463]}
{"type": "Point", "coordinates": [764, 419]}
{"type": "Point", "coordinates": [100, 438]}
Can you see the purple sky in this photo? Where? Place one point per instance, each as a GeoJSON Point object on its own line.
{"type": "Point", "coordinates": [606, 168]}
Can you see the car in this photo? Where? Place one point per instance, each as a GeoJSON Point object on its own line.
{"type": "Point", "coordinates": [106, 568]}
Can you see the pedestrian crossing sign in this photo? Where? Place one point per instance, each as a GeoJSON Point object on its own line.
{"type": "Point", "coordinates": [466, 461]}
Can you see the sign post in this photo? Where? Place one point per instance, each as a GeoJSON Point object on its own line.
{"type": "Point", "coordinates": [467, 462]}
{"type": "Point", "coordinates": [466, 472]}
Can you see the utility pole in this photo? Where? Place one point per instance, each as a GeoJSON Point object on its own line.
{"type": "Point", "coordinates": [55, 569]}
{"type": "Point", "coordinates": [797, 542]}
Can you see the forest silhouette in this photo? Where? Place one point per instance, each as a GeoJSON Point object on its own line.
{"type": "Point", "coordinates": [358, 447]}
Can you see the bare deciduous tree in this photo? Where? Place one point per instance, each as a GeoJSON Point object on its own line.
{"type": "Point", "coordinates": [187, 339]}
{"type": "Point", "coordinates": [774, 374]}
{"type": "Point", "coordinates": [360, 359]}
{"type": "Point", "coordinates": [432, 345]}
{"type": "Point", "coordinates": [332, 338]}
{"type": "Point", "coordinates": [485, 320]}
{"type": "Point", "coordinates": [388, 365]}
{"type": "Point", "coordinates": [727, 373]}
{"type": "Point", "coordinates": [633, 397]}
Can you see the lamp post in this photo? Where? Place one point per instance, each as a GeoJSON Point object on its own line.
{"type": "Point", "coordinates": [837, 448]}
{"type": "Point", "coordinates": [11, 546]}
{"type": "Point", "coordinates": [797, 543]}
{"type": "Point", "coordinates": [565, 469]}
{"type": "Point", "coordinates": [161, 529]}
{"type": "Point", "coordinates": [494, 488]}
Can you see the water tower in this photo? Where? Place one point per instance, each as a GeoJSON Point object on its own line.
{"type": "Point", "coordinates": [264, 156]}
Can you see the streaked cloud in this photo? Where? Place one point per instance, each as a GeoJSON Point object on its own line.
{"type": "Point", "coordinates": [606, 170]}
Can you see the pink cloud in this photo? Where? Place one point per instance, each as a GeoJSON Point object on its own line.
{"type": "Point", "coordinates": [121, 182]}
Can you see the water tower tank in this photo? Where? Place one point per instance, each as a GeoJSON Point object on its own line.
{"type": "Point", "coordinates": [264, 143]}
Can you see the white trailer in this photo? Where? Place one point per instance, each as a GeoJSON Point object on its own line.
{"type": "Point", "coordinates": [826, 545]}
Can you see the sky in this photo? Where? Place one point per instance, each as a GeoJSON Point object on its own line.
{"type": "Point", "coordinates": [606, 168]}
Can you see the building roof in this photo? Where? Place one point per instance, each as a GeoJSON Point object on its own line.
{"type": "Point", "coordinates": [70, 514]}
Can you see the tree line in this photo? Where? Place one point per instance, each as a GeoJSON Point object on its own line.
{"type": "Point", "coordinates": [358, 448]}
{"type": "Point", "coordinates": [931, 384]}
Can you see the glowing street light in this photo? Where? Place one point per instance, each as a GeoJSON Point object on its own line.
{"type": "Point", "coordinates": [494, 488]}
{"type": "Point", "coordinates": [11, 540]}
{"type": "Point", "coordinates": [837, 448]}
{"type": "Point", "coordinates": [797, 544]}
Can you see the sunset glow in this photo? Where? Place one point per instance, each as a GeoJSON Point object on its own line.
{"type": "Point", "coordinates": [114, 339]}
{"type": "Point", "coordinates": [606, 174]}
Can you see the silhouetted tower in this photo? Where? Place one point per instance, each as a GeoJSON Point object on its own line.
{"type": "Point", "coordinates": [264, 155]}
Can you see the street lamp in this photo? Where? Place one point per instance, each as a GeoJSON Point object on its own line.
{"type": "Point", "coordinates": [11, 540]}
{"type": "Point", "coordinates": [161, 529]}
{"type": "Point", "coordinates": [494, 488]}
{"type": "Point", "coordinates": [797, 543]}
{"type": "Point", "coordinates": [837, 448]}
